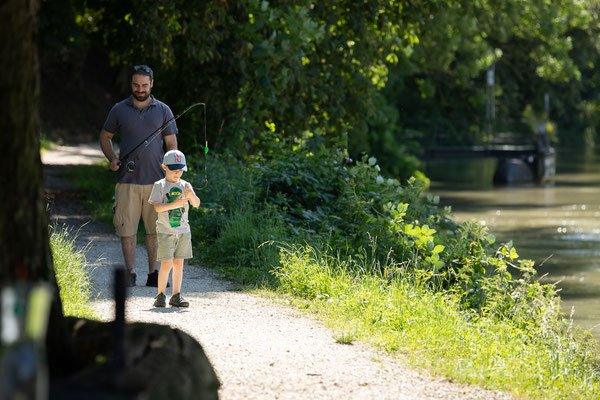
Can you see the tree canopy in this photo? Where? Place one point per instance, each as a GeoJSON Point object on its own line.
{"type": "Point", "coordinates": [357, 75]}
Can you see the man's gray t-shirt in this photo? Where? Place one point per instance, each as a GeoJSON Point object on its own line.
{"type": "Point", "coordinates": [134, 125]}
{"type": "Point", "coordinates": [172, 221]}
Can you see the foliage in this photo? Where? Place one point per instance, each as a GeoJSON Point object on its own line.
{"type": "Point", "coordinates": [298, 65]}
{"type": "Point", "coordinates": [300, 192]}
{"type": "Point", "coordinates": [71, 275]}
{"type": "Point", "coordinates": [46, 143]}
{"type": "Point", "coordinates": [530, 44]}
{"type": "Point", "coordinates": [300, 89]}
{"type": "Point", "coordinates": [370, 78]}
{"type": "Point", "coordinates": [244, 245]}
{"type": "Point", "coordinates": [386, 261]}
{"type": "Point", "coordinates": [401, 314]}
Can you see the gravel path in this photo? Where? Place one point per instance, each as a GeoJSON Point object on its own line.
{"type": "Point", "coordinates": [259, 348]}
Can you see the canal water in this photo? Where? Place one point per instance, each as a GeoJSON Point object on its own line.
{"type": "Point", "coordinates": [556, 223]}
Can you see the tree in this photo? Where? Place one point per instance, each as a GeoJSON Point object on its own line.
{"type": "Point", "coordinates": [285, 68]}
{"type": "Point", "coordinates": [26, 259]}
{"type": "Point", "coordinates": [261, 66]}
{"type": "Point", "coordinates": [529, 42]}
{"type": "Point", "coordinates": [24, 224]}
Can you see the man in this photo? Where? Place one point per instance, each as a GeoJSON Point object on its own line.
{"type": "Point", "coordinates": [134, 119]}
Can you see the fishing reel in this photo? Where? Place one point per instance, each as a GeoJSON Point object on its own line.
{"type": "Point", "coordinates": [130, 165]}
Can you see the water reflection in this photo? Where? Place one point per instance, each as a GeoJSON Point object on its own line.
{"type": "Point", "coordinates": [556, 224]}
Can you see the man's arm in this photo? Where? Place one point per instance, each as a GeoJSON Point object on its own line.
{"type": "Point", "coordinates": [107, 149]}
{"type": "Point", "coordinates": [171, 142]}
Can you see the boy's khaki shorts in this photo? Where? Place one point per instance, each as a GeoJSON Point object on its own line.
{"type": "Point", "coordinates": [131, 203]}
{"type": "Point", "coordinates": [171, 246]}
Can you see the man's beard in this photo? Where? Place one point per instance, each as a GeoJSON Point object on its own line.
{"type": "Point", "coordinates": [143, 97]}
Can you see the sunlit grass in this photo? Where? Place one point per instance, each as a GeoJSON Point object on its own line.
{"type": "Point", "coordinates": [71, 275]}
{"type": "Point", "coordinates": [402, 316]}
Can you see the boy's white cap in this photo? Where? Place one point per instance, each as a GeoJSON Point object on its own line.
{"type": "Point", "coordinates": [174, 159]}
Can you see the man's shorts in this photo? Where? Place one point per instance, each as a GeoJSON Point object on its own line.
{"type": "Point", "coordinates": [172, 245]}
{"type": "Point", "coordinates": [131, 204]}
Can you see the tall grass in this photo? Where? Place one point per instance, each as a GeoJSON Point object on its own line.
{"type": "Point", "coordinates": [400, 314]}
{"type": "Point", "coordinates": [245, 245]}
{"type": "Point", "coordinates": [71, 275]}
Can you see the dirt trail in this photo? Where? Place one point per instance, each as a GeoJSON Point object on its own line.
{"type": "Point", "coordinates": [259, 348]}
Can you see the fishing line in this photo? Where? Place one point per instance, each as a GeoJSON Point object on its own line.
{"type": "Point", "coordinates": [205, 182]}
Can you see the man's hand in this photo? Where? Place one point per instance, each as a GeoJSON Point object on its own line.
{"type": "Point", "coordinates": [107, 149]}
{"type": "Point", "coordinates": [115, 164]}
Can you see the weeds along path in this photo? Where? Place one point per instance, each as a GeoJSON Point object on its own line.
{"type": "Point", "coordinates": [260, 348]}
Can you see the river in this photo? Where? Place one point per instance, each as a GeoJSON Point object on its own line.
{"type": "Point", "coordinates": [556, 223]}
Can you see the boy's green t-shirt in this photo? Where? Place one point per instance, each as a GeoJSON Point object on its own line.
{"type": "Point", "coordinates": [176, 220]}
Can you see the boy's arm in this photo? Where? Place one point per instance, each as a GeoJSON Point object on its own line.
{"type": "Point", "coordinates": [191, 196]}
{"type": "Point", "coordinates": [162, 207]}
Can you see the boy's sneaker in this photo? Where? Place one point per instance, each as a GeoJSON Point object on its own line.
{"type": "Point", "coordinates": [153, 279]}
{"type": "Point", "coordinates": [178, 301]}
{"type": "Point", "coordinates": [130, 278]}
{"type": "Point", "coordinates": [160, 300]}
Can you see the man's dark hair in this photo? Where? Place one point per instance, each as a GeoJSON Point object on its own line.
{"type": "Point", "coordinates": [142, 70]}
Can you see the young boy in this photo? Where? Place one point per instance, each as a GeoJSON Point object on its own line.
{"type": "Point", "coordinates": [170, 197]}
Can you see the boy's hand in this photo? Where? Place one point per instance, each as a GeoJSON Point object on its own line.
{"type": "Point", "coordinates": [191, 196]}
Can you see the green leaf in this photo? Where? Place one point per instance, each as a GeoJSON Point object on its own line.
{"type": "Point", "coordinates": [437, 249]}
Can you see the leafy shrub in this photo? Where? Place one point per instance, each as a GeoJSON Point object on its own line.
{"type": "Point", "coordinates": [299, 192]}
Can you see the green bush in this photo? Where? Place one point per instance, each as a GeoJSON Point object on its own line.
{"type": "Point", "coordinates": [300, 192]}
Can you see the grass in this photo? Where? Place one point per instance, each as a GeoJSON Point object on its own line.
{"type": "Point", "coordinates": [45, 143]}
{"type": "Point", "coordinates": [427, 328]}
{"type": "Point", "coordinates": [244, 246]}
{"type": "Point", "coordinates": [97, 183]}
{"type": "Point", "coordinates": [71, 275]}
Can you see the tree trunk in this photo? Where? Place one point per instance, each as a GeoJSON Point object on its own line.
{"type": "Point", "coordinates": [25, 259]}
{"type": "Point", "coordinates": [23, 221]}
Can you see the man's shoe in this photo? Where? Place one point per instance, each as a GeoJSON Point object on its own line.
{"type": "Point", "coordinates": [178, 301]}
{"type": "Point", "coordinates": [153, 279]}
{"type": "Point", "coordinates": [160, 300]}
{"type": "Point", "coordinates": [130, 278]}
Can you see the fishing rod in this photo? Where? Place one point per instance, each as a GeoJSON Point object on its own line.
{"type": "Point", "coordinates": [130, 164]}
{"type": "Point", "coordinates": [205, 182]}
